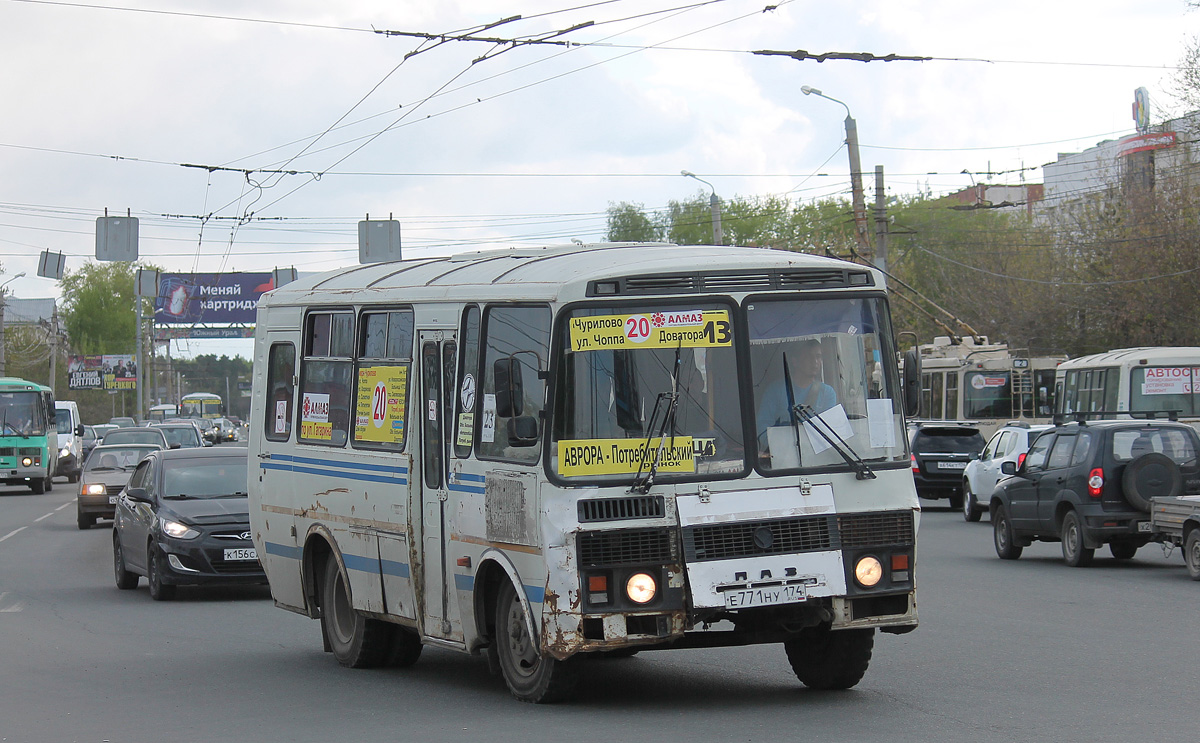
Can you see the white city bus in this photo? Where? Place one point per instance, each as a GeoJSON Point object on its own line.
{"type": "Point", "coordinates": [545, 454]}
{"type": "Point", "coordinates": [987, 383]}
{"type": "Point", "coordinates": [1144, 380]}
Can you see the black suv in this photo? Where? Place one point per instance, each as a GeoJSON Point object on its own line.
{"type": "Point", "coordinates": [1087, 484]}
{"type": "Point", "coordinates": [940, 452]}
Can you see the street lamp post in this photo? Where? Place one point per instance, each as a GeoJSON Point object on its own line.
{"type": "Point", "coordinates": [856, 186]}
{"type": "Point", "coordinates": [714, 205]}
{"type": "Point", "coordinates": [3, 304]}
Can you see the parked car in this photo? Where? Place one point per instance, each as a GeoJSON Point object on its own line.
{"type": "Point", "coordinates": [104, 476]}
{"type": "Point", "coordinates": [180, 435]}
{"type": "Point", "coordinates": [1090, 484]}
{"type": "Point", "coordinates": [136, 435]}
{"type": "Point", "coordinates": [185, 520]}
{"type": "Point", "coordinates": [1009, 444]}
{"type": "Point", "coordinates": [940, 453]}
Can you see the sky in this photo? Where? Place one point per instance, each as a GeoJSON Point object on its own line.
{"type": "Point", "coordinates": [254, 135]}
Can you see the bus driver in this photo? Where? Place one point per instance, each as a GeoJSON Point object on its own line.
{"type": "Point", "coordinates": [804, 367]}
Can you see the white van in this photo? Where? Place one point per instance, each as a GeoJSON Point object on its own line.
{"type": "Point", "coordinates": [70, 439]}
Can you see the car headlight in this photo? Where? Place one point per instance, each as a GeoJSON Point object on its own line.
{"type": "Point", "coordinates": [868, 571]}
{"type": "Point", "coordinates": [640, 588]}
{"type": "Point", "coordinates": [178, 530]}
{"type": "Point", "coordinates": [95, 488]}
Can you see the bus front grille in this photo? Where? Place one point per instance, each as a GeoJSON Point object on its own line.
{"type": "Point", "coordinates": [796, 535]}
{"type": "Point", "coordinates": [874, 529]}
{"type": "Point", "coordinates": [626, 547]}
{"type": "Point", "coordinates": [618, 509]}
{"type": "Point", "coordinates": [752, 538]}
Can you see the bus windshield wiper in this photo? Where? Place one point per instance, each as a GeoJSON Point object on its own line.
{"type": "Point", "coordinates": [671, 399]}
{"type": "Point", "coordinates": [820, 425]}
{"type": "Point", "coordinates": [5, 427]}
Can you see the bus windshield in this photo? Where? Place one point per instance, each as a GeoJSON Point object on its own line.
{"type": "Point", "coordinates": [832, 351]}
{"type": "Point", "coordinates": [644, 388]}
{"type": "Point", "coordinates": [20, 414]}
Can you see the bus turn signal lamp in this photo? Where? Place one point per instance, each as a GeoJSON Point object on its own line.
{"type": "Point", "coordinates": [1096, 482]}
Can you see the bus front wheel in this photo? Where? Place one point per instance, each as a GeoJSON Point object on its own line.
{"type": "Point", "coordinates": [356, 641]}
{"type": "Point", "coordinates": [826, 659]}
{"type": "Point", "coordinates": [531, 676]}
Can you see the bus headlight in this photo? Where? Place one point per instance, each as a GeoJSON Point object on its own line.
{"type": "Point", "coordinates": [868, 571]}
{"type": "Point", "coordinates": [64, 452]}
{"type": "Point", "coordinates": [640, 588]}
{"type": "Point", "coordinates": [26, 461]}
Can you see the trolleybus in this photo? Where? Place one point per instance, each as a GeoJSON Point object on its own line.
{"type": "Point", "coordinates": [542, 455]}
{"type": "Point", "coordinates": [990, 384]}
{"type": "Point", "coordinates": [28, 434]}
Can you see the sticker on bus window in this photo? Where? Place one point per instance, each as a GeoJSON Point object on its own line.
{"type": "Point", "coordinates": [281, 416]}
{"type": "Point", "coordinates": [1168, 380]}
{"type": "Point", "coordinates": [379, 410]}
{"type": "Point", "coordinates": [670, 329]}
{"type": "Point", "coordinates": [466, 429]}
{"type": "Point", "coordinates": [487, 431]}
{"type": "Point", "coordinates": [585, 457]}
{"type": "Point", "coordinates": [314, 417]}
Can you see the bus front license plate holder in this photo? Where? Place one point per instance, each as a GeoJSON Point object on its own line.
{"type": "Point", "coordinates": [241, 554]}
{"type": "Point", "coordinates": [747, 598]}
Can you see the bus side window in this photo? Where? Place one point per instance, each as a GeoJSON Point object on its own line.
{"type": "Point", "coordinates": [384, 363]}
{"type": "Point", "coordinates": [519, 339]}
{"type": "Point", "coordinates": [325, 381]}
{"type": "Point", "coordinates": [281, 366]}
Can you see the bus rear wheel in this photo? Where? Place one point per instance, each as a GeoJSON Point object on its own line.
{"type": "Point", "coordinates": [530, 675]}
{"type": "Point", "coordinates": [356, 641]}
{"type": "Point", "coordinates": [825, 659]}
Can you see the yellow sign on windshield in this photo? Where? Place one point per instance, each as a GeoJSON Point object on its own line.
{"type": "Point", "coordinates": [660, 329]}
{"type": "Point", "coordinates": [584, 457]}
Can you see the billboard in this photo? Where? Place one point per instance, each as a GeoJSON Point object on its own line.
{"type": "Point", "coordinates": [102, 372]}
{"type": "Point", "coordinates": [188, 298]}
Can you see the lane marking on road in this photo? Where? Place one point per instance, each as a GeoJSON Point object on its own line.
{"type": "Point", "coordinates": [39, 518]}
{"type": "Point", "coordinates": [14, 531]}
{"type": "Point", "coordinates": [64, 505]}
{"type": "Point", "coordinates": [18, 606]}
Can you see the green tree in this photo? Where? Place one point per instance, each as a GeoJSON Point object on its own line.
{"type": "Point", "coordinates": [628, 223]}
{"type": "Point", "coordinates": [98, 307]}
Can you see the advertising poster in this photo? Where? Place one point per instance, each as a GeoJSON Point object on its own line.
{"type": "Point", "coordinates": [187, 298]}
{"type": "Point", "coordinates": [379, 408]}
{"type": "Point", "coordinates": [102, 372]}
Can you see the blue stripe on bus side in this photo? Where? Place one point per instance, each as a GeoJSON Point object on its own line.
{"type": "Point", "coordinates": [399, 470]}
{"type": "Point", "coordinates": [466, 489]}
{"type": "Point", "coordinates": [398, 569]}
{"type": "Point", "coordinates": [283, 550]}
{"type": "Point", "coordinates": [535, 594]}
{"type": "Point", "coordinates": [361, 564]}
{"type": "Point", "coordinates": [343, 474]}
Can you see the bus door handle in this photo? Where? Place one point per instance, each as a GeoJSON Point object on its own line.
{"type": "Point", "coordinates": [264, 455]}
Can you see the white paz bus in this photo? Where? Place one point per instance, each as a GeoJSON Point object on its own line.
{"type": "Point", "coordinates": [546, 454]}
{"type": "Point", "coordinates": [1146, 380]}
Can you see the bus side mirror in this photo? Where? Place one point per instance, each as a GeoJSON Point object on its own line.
{"type": "Point", "coordinates": [510, 387]}
{"type": "Point", "coordinates": [912, 382]}
{"type": "Point", "coordinates": [522, 431]}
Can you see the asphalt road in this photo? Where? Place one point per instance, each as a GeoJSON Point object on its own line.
{"type": "Point", "coordinates": [1006, 651]}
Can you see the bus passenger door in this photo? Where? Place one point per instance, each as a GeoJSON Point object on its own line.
{"type": "Point", "coordinates": [438, 351]}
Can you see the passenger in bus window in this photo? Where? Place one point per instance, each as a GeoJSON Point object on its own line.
{"type": "Point", "coordinates": [805, 367]}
